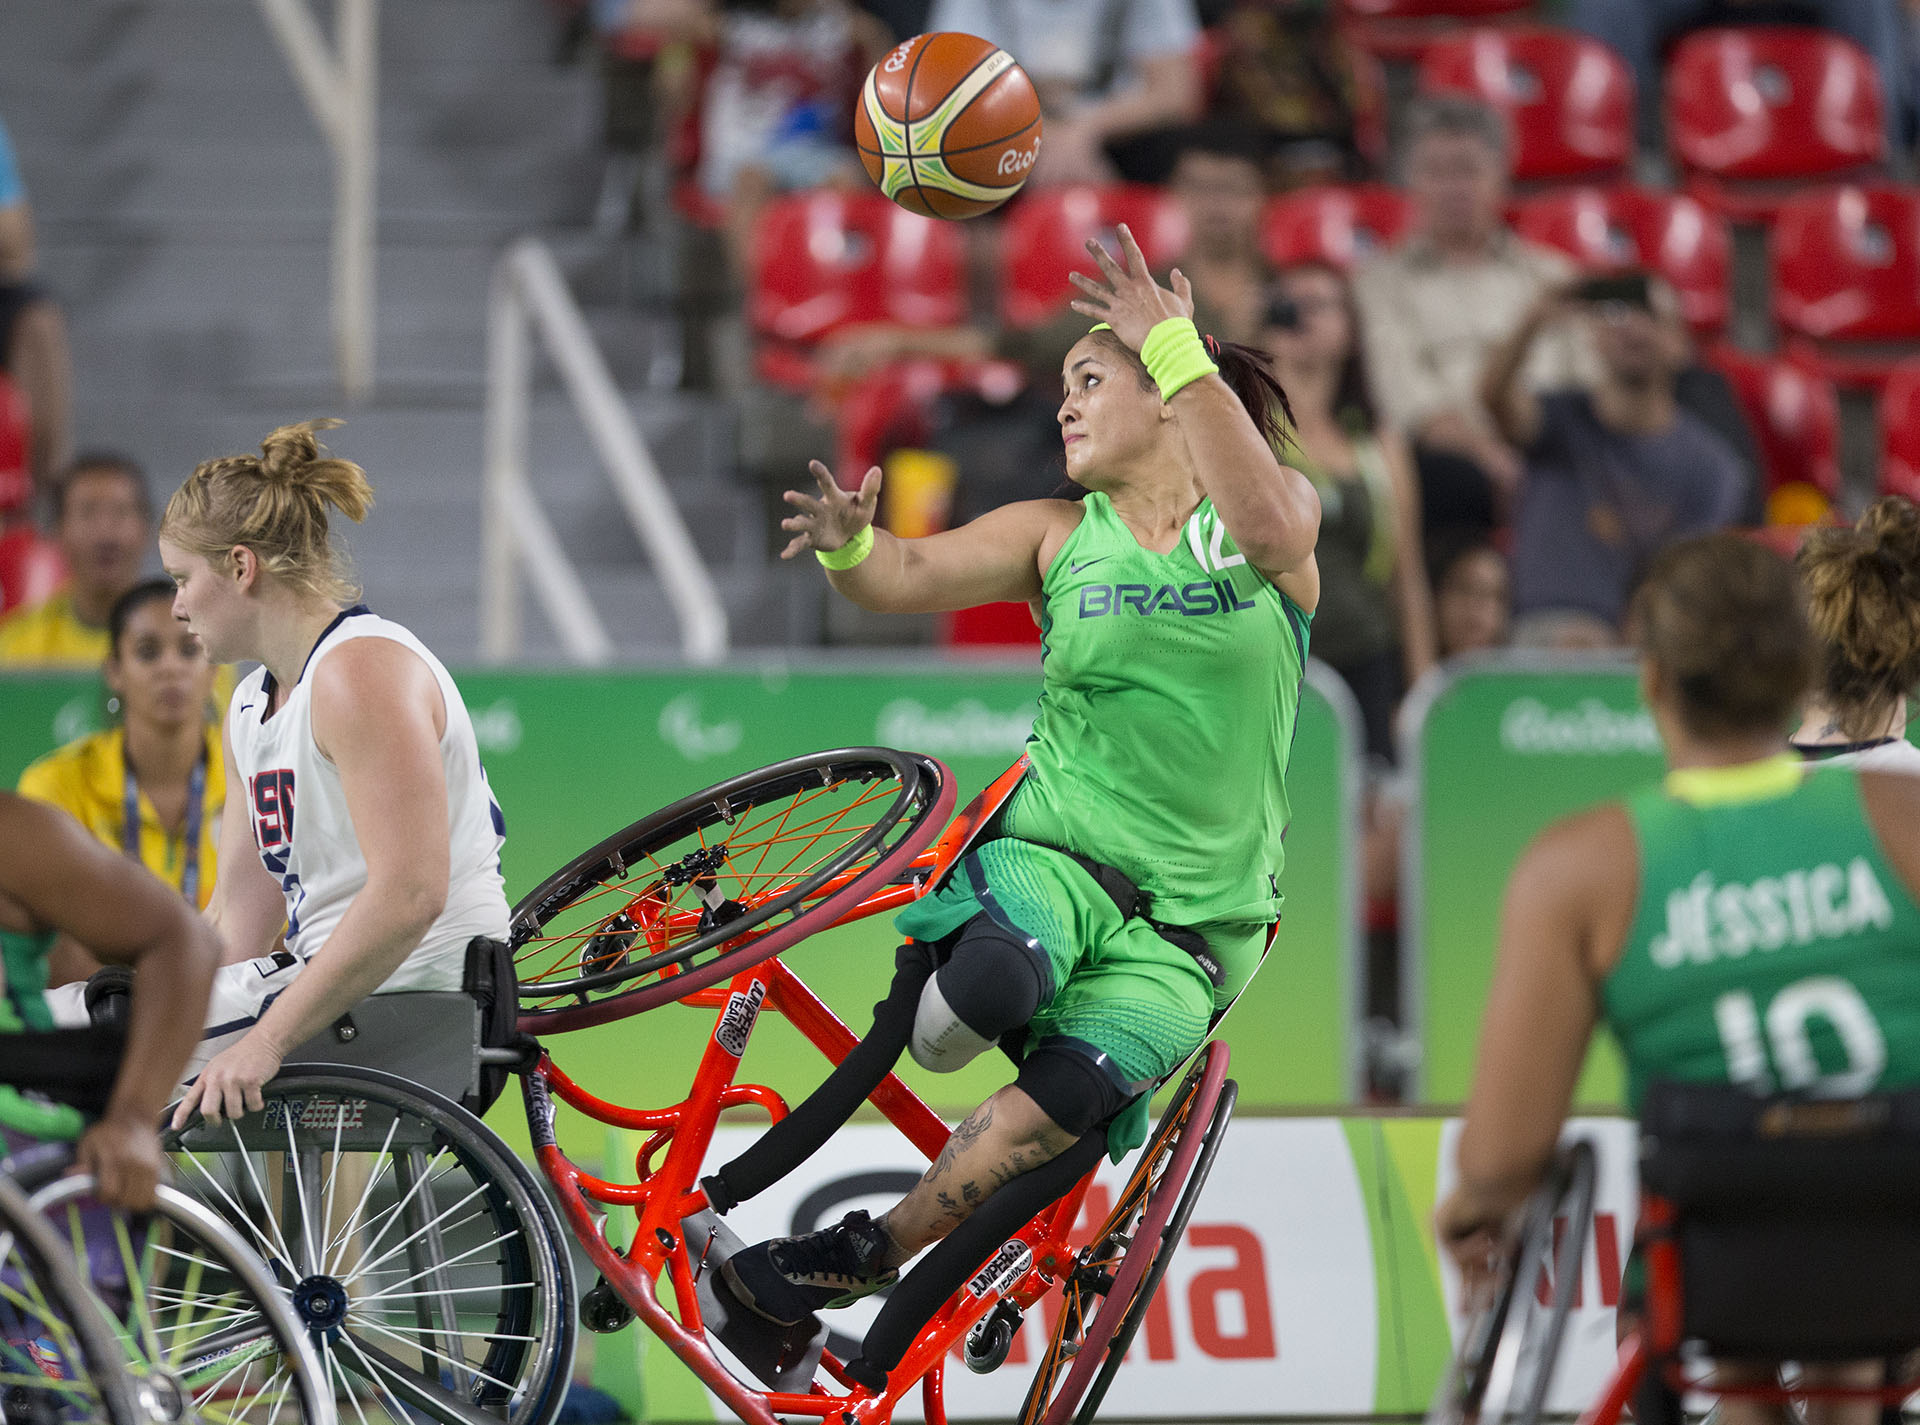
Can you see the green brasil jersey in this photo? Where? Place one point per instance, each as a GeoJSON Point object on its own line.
{"type": "Point", "coordinates": [23, 959]}
{"type": "Point", "coordinates": [1168, 693]}
{"type": "Point", "coordinates": [1773, 946]}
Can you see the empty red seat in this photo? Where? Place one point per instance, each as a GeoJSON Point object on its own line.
{"type": "Point", "coordinates": [825, 260]}
{"type": "Point", "coordinates": [1609, 229]}
{"type": "Point", "coordinates": [1900, 432]}
{"type": "Point", "coordinates": [1567, 97]}
{"type": "Point", "coordinates": [1846, 268]}
{"type": "Point", "coordinates": [16, 439]}
{"type": "Point", "coordinates": [30, 566]}
{"type": "Point", "coordinates": [1340, 225]}
{"type": "Point", "coordinates": [990, 626]}
{"type": "Point", "coordinates": [1795, 413]}
{"type": "Point", "coordinates": [1771, 102]}
{"type": "Point", "coordinates": [1045, 240]}
{"type": "Point", "coordinates": [1402, 29]}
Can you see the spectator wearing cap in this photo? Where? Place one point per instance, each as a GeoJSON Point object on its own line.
{"type": "Point", "coordinates": [103, 525]}
{"type": "Point", "coordinates": [1434, 307]}
{"type": "Point", "coordinates": [1614, 471]}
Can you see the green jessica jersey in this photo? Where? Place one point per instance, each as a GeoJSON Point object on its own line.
{"type": "Point", "coordinates": [1773, 945]}
{"type": "Point", "coordinates": [1170, 684]}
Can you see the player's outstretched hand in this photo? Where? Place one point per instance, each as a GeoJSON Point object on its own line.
{"type": "Point", "coordinates": [229, 1086]}
{"type": "Point", "coordinates": [1127, 298]}
{"type": "Point", "coordinates": [123, 1155]}
{"type": "Point", "coordinates": [827, 520]}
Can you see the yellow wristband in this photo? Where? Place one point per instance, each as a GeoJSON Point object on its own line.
{"type": "Point", "coordinates": [1174, 356]}
{"type": "Point", "coordinates": [848, 554]}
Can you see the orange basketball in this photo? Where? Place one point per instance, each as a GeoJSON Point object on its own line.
{"type": "Point", "coordinates": [948, 126]}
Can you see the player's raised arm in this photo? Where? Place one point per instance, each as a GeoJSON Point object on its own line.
{"type": "Point", "coordinates": [998, 558]}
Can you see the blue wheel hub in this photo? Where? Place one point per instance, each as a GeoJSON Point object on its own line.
{"type": "Point", "coordinates": [321, 1303]}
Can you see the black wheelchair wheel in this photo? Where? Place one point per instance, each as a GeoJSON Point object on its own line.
{"type": "Point", "coordinates": [1109, 1285]}
{"type": "Point", "coordinates": [1505, 1367]}
{"type": "Point", "coordinates": [720, 880]}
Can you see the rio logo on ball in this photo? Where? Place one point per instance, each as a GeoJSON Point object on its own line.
{"type": "Point", "coordinates": [948, 125]}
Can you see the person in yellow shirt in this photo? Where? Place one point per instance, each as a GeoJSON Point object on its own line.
{"type": "Point", "coordinates": [154, 785]}
{"type": "Point", "coordinates": [103, 523]}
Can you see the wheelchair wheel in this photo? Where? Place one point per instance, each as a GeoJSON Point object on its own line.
{"type": "Point", "coordinates": [1110, 1284]}
{"type": "Point", "coordinates": [203, 1328]}
{"type": "Point", "coordinates": [1506, 1362]}
{"type": "Point", "coordinates": [719, 881]}
{"type": "Point", "coordinates": [416, 1249]}
{"type": "Point", "coordinates": [59, 1361]}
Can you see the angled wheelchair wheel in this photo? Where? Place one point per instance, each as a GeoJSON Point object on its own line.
{"type": "Point", "coordinates": [1110, 1285]}
{"type": "Point", "coordinates": [415, 1248]}
{"type": "Point", "coordinates": [719, 881]}
{"type": "Point", "coordinates": [1504, 1370]}
{"type": "Point", "coordinates": [204, 1330]}
{"type": "Point", "coordinates": [60, 1361]}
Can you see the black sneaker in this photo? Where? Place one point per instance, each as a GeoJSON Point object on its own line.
{"type": "Point", "coordinates": [789, 1278]}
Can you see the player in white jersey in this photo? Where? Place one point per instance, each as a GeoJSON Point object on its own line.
{"type": "Point", "coordinates": [1863, 600]}
{"type": "Point", "coordinates": [358, 813]}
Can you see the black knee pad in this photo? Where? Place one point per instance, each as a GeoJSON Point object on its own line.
{"type": "Point", "coordinates": [995, 978]}
{"type": "Point", "coordinates": [1073, 1088]}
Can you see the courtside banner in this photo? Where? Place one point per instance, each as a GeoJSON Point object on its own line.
{"type": "Point", "coordinates": [1308, 1283]}
{"type": "Point", "coordinates": [574, 756]}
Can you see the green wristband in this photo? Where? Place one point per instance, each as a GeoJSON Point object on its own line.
{"type": "Point", "coordinates": [848, 554]}
{"type": "Point", "coordinates": [1174, 356]}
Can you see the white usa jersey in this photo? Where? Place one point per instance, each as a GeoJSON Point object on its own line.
{"type": "Point", "coordinates": [305, 837]}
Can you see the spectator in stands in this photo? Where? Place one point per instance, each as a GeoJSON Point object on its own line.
{"type": "Point", "coordinates": [1374, 626]}
{"type": "Point", "coordinates": [777, 109]}
{"type": "Point", "coordinates": [1109, 73]}
{"type": "Point", "coordinates": [103, 524]}
{"type": "Point", "coordinates": [1614, 472]}
{"type": "Point", "coordinates": [33, 334]}
{"type": "Point", "coordinates": [1472, 600]}
{"type": "Point", "coordinates": [153, 785]}
{"type": "Point", "coordinates": [1286, 73]}
{"type": "Point", "coordinates": [1433, 308]}
{"type": "Point", "coordinates": [1641, 31]}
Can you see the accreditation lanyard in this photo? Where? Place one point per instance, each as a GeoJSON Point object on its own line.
{"type": "Point", "coordinates": [196, 808]}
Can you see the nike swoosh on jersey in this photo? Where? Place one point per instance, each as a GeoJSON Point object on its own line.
{"type": "Point", "coordinates": [1073, 568]}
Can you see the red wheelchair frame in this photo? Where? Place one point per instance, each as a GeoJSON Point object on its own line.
{"type": "Point", "coordinates": [666, 1192]}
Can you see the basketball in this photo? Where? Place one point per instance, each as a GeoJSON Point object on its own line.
{"type": "Point", "coordinates": [948, 125]}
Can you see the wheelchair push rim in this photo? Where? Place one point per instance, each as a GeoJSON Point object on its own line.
{"type": "Point", "coordinates": [418, 1252]}
{"type": "Point", "coordinates": [722, 879]}
{"type": "Point", "coordinates": [1110, 1276]}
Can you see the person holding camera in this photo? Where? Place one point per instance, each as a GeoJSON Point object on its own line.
{"type": "Point", "coordinates": [1614, 471]}
{"type": "Point", "coordinates": [1375, 622]}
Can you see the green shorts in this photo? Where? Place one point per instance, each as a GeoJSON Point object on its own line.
{"type": "Point", "coordinates": [1112, 984]}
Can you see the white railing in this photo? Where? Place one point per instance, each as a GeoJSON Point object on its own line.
{"type": "Point", "coordinates": [341, 88]}
{"type": "Point", "coordinates": [528, 295]}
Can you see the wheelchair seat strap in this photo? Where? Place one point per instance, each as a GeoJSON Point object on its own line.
{"type": "Point", "coordinates": [1134, 903]}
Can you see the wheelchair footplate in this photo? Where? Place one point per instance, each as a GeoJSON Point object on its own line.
{"type": "Point", "coordinates": [782, 1358]}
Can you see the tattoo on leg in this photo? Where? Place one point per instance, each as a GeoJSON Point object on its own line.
{"type": "Point", "coordinates": [965, 1136]}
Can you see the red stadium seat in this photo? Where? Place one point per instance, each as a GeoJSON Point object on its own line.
{"type": "Point", "coordinates": [1338, 225]}
{"type": "Point", "coordinates": [990, 626]}
{"type": "Point", "coordinates": [894, 406]}
{"type": "Point", "coordinates": [1900, 432]}
{"type": "Point", "coordinates": [1846, 266]}
{"type": "Point", "coordinates": [1567, 97]}
{"type": "Point", "coordinates": [16, 429]}
{"type": "Point", "coordinates": [1402, 29]}
{"type": "Point", "coordinates": [30, 566]}
{"type": "Point", "coordinates": [1795, 413]}
{"type": "Point", "coordinates": [1770, 102]}
{"type": "Point", "coordinates": [826, 260]}
{"type": "Point", "coordinates": [1608, 229]}
{"type": "Point", "coordinates": [1046, 235]}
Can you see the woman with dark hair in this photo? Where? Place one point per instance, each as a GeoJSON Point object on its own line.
{"type": "Point", "coordinates": [1863, 593]}
{"type": "Point", "coordinates": [1750, 920]}
{"type": "Point", "coordinates": [154, 784]}
{"type": "Point", "coordinates": [1375, 622]}
{"type": "Point", "coordinates": [1174, 603]}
